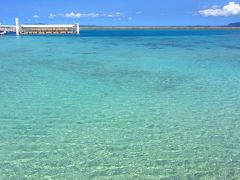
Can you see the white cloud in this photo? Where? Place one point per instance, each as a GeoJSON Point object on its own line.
{"type": "Point", "coordinates": [36, 16]}
{"type": "Point", "coordinates": [230, 9]}
{"type": "Point", "coordinates": [86, 15]}
{"type": "Point", "coordinates": [117, 14]}
{"type": "Point", "coordinates": [79, 15]}
{"type": "Point", "coordinates": [51, 16]}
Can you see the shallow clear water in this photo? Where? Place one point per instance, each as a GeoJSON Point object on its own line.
{"type": "Point", "coordinates": [120, 105]}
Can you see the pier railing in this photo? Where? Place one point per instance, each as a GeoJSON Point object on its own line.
{"type": "Point", "coordinates": [54, 29]}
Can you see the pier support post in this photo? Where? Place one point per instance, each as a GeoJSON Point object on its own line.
{"type": "Point", "coordinates": [78, 28]}
{"type": "Point", "coordinates": [17, 26]}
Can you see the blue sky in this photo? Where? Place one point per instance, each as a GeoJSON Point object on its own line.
{"type": "Point", "coordinates": [121, 12]}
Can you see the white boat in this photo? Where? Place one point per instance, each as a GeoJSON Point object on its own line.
{"type": "Point", "coordinates": [3, 33]}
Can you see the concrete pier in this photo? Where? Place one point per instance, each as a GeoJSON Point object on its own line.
{"type": "Point", "coordinates": [22, 29]}
{"type": "Point", "coordinates": [8, 28]}
{"type": "Point", "coordinates": [49, 29]}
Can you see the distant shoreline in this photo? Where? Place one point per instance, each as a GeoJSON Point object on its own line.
{"type": "Point", "coordinates": [158, 28]}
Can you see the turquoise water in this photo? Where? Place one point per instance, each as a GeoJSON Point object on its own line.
{"type": "Point", "coordinates": [120, 105]}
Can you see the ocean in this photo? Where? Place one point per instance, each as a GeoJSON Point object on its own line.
{"type": "Point", "coordinates": [121, 104]}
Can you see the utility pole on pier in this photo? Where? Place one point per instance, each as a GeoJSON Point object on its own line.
{"type": "Point", "coordinates": [78, 28]}
{"type": "Point", "coordinates": [17, 26]}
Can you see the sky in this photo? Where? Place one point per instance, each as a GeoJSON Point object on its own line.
{"type": "Point", "coordinates": [121, 12]}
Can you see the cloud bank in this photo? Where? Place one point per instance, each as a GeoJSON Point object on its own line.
{"type": "Point", "coordinates": [230, 9]}
{"type": "Point", "coordinates": [86, 15]}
